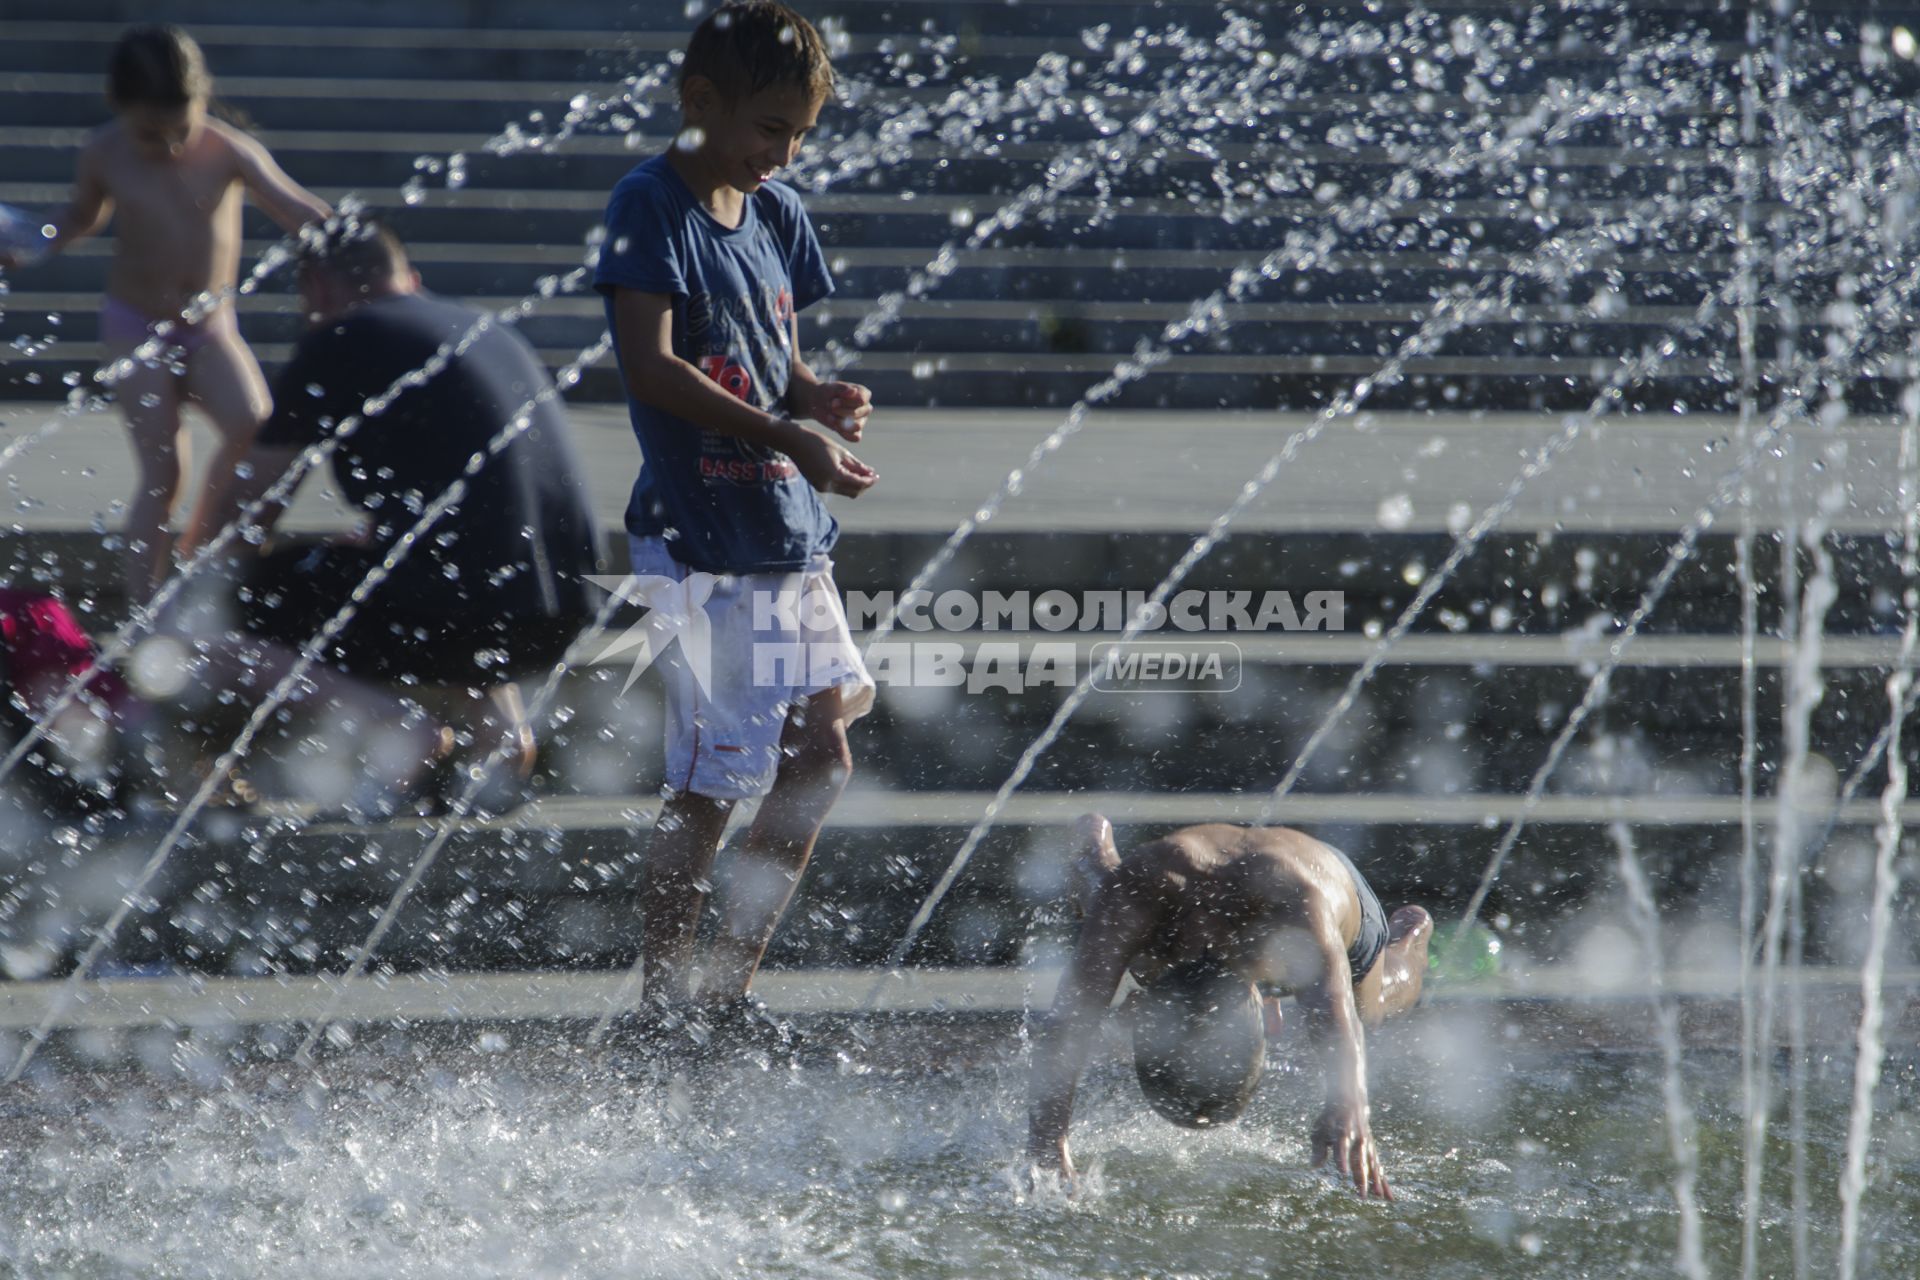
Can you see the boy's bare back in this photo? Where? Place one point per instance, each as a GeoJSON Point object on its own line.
{"type": "Point", "coordinates": [1215, 879]}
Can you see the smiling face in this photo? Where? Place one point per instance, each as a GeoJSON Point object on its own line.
{"type": "Point", "coordinates": [163, 133]}
{"type": "Point", "coordinates": [742, 144]}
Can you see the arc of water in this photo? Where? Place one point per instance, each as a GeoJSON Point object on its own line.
{"type": "Point", "coordinates": [1791, 408]}
{"type": "Point", "coordinates": [1389, 373]}
{"type": "Point", "coordinates": [1447, 317]}
{"type": "Point", "coordinates": [1680, 1120]}
{"type": "Point", "coordinates": [1300, 253]}
{"type": "Point", "coordinates": [1870, 1049]}
{"type": "Point", "coordinates": [1071, 169]}
{"type": "Point", "coordinates": [284, 690]}
{"type": "Point", "coordinates": [1623, 377]}
{"type": "Point", "coordinates": [1746, 181]}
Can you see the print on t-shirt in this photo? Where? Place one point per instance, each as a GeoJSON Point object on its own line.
{"type": "Point", "coordinates": [748, 361]}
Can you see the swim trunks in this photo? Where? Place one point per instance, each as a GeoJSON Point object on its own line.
{"type": "Point", "coordinates": [1372, 938]}
{"type": "Point", "coordinates": [124, 325]}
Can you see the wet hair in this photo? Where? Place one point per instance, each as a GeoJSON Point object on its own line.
{"type": "Point", "coordinates": [1199, 1044]}
{"type": "Point", "coordinates": [355, 249]}
{"type": "Point", "coordinates": [753, 45]}
{"type": "Point", "coordinates": [157, 66]}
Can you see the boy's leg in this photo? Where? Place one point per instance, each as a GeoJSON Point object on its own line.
{"type": "Point", "coordinates": [673, 889]}
{"type": "Point", "coordinates": [766, 867]}
{"type": "Point", "coordinates": [225, 381]}
{"type": "Point", "coordinates": [150, 402]}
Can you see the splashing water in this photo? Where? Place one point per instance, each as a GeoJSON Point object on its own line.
{"type": "Point", "coordinates": [1680, 1118]}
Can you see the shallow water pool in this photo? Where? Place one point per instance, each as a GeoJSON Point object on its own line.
{"type": "Point", "coordinates": [499, 1156]}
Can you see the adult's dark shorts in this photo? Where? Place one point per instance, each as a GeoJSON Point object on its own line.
{"type": "Point", "coordinates": [290, 594]}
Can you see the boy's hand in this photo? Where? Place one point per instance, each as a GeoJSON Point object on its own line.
{"type": "Point", "coordinates": [841, 407]}
{"type": "Point", "coordinates": [830, 468]}
{"type": "Point", "coordinates": [1342, 1132]}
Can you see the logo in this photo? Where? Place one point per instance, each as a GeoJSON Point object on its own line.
{"type": "Point", "coordinates": [802, 636]}
{"type": "Point", "coordinates": [1159, 667]}
{"type": "Point", "coordinates": [676, 612]}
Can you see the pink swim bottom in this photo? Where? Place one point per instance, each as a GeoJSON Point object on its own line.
{"type": "Point", "coordinates": [124, 325]}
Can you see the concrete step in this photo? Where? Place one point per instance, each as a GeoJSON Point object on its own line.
{"type": "Point", "coordinates": [72, 99]}
{"type": "Point", "coordinates": [850, 219]}
{"type": "Point", "coordinates": [543, 888]}
{"type": "Point", "coordinates": [955, 325]}
{"type": "Point", "coordinates": [1040, 273]}
{"type": "Point", "coordinates": [1293, 383]}
{"type": "Point", "coordinates": [1065, 19]}
{"type": "Point", "coordinates": [372, 161]}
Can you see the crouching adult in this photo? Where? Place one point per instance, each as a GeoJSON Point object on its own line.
{"type": "Point", "coordinates": [417, 392]}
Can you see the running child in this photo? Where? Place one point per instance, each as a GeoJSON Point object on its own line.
{"type": "Point", "coordinates": [173, 179]}
{"type": "Point", "coordinates": [707, 261]}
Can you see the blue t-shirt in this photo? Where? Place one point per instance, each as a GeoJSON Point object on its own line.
{"type": "Point", "coordinates": [723, 504]}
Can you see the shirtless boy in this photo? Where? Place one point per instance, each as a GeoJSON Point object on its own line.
{"type": "Point", "coordinates": [1275, 907]}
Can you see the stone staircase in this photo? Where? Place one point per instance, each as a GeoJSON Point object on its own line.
{"type": "Point", "coordinates": [375, 99]}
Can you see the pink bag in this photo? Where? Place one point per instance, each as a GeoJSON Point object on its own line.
{"type": "Point", "coordinates": [42, 648]}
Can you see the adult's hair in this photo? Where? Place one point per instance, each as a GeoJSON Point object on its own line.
{"type": "Point", "coordinates": [1199, 1044]}
{"type": "Point", "coordinates": [157, 66]}
{"type": "Point", "coordinates": [753, 45]}
{"type": "Point", "coordinates": [357, 250]}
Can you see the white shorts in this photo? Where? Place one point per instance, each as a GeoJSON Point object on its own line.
{"type": "Point", "coordinates": [770, 640]}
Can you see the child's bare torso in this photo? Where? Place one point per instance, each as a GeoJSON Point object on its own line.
{"type": "Point", "coordinates": [1240, 893]}
{"type": "Point", "coordinates": [176, 222]}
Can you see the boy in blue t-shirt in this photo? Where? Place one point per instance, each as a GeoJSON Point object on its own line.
{"type": "Point", "coordinates": [706, 263]}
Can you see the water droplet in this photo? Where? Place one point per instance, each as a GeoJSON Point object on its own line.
{"type": "Point", "coordinates": [1395, 513]}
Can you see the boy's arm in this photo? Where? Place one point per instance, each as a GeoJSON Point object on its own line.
{"type": "Point", "coordinates": [656, 377]}
{"type": "Point", "coordinates": [1117, 929]}
{"type": "Point", "coordinates": [288, 203]}
{"type": "Point", "coordinates": [88, 209]}
{"type": "Point", "coordinates": [841, 407]}
{"type": "Point", "coordinates": [1344, 1128]}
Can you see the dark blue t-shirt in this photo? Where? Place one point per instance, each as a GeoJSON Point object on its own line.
{"type": "Point", "coordinates": [723, 504]}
